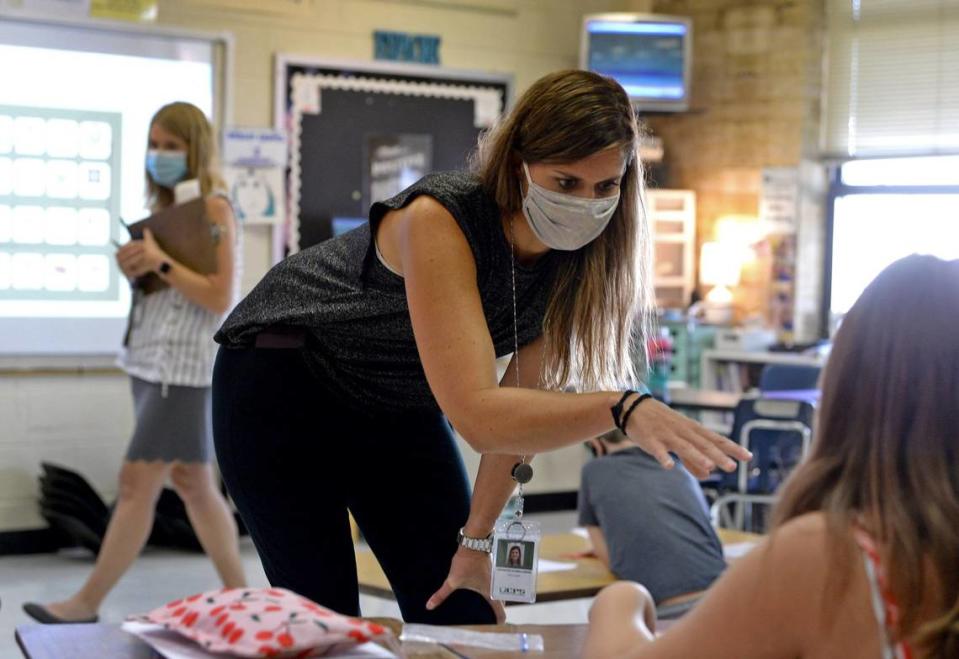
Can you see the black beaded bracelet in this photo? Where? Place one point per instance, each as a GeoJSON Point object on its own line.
{"type": "Point", "coordinates": [631, 408]}
{"type": "Point", "coordinates": [617, 409]}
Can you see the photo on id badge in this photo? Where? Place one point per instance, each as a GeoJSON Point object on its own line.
{"type": "Point", "coordinates": [514, 554]}
{"type": "Point", "coordinates": [514, 563]}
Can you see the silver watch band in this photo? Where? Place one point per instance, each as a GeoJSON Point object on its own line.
{"type": "Point", "coordinates": [484, 545]}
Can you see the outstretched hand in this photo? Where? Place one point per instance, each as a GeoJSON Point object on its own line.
{"type": "Point", "coordinates": [659, 431]}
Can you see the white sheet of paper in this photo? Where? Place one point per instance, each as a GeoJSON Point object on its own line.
{"type": "Point", "coordinates": [171, 645]}
{"type": "Point", "coordinates": [546, 565]}
{"type": "Point", "coordinates": [737, 549]}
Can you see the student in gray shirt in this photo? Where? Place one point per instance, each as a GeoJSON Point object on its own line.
{"type": "Point", "coordinates": [649, 524]}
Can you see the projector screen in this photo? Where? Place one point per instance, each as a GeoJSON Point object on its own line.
{"type": "Point", "coordinates": [75, 107]}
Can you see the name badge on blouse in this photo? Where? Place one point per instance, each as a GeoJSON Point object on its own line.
{"type": "Point", "coordinates": [515, 560]}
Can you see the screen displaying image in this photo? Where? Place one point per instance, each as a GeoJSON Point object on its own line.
{"type": "Point", "coordinates": [74, 121]}
{"type": "Point", "coordinates": [647, 59]}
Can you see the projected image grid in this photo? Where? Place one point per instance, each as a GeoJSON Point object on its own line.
{"type": "Point", "coordinates": [59, 172]}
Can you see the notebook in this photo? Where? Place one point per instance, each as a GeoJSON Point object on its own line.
{"type": "Point", "coordinates": [184, 232]}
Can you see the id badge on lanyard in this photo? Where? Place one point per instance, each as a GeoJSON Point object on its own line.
{"type": "Point", "coordinates": [516, 541]}
{"type": "Point", "coordinates": [516, 550]}
{"type": "Point", "coordinates": [515, 560]}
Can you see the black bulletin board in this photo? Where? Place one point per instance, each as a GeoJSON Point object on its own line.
{"type": "Point", "coordinates": [334, 113]}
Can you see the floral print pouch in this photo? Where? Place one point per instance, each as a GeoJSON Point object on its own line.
{"type": "Point", "coordinates": [263, 622]}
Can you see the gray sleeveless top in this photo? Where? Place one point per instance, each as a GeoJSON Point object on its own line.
{"type": "Point", "coordinates": [355, 311]}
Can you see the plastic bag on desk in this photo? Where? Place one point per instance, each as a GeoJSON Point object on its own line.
{"type": "Point", "coordinates": [505, 641]}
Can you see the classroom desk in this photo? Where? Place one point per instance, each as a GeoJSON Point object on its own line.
{"type": "Point", "coordinates": [711, 400]}
{"type": "Point", "coordinates": [585, 580]}
{"type": "Point", "coordinates": [703, 400]}
{"type": "Point", "coordinates": [102, 640]}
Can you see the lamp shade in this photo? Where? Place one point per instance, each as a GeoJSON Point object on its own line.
{"type": "Point", "coordinates": [719, 264]}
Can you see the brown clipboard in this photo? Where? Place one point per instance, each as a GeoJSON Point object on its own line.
{"type": "Point", "coordinates": [185, 233]}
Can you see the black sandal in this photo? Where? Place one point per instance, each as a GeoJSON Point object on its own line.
{"type": "Point", "coordinates": [40, 613]}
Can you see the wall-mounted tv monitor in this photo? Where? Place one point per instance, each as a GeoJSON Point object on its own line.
{"type": "Point", "coordinates": [650, 55]}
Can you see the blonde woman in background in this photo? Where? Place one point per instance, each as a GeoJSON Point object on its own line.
{"type": "Point", "coordinates": [341, 372]}
{"type": "Point", "coordinates": [169, 357]}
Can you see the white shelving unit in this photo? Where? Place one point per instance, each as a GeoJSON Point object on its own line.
{"type": "Point", "coordinates": [720, 370]}
{"type": "Point", "coordinates": [672, 222]}
{"type": "Point", "coordinates": [712, 362]}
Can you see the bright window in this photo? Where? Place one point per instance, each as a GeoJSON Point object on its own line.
{"type": "Point", "coordinates": [870, 231]}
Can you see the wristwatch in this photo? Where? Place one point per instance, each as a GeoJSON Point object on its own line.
{"type": "Point", "coordinates": [484, 545]}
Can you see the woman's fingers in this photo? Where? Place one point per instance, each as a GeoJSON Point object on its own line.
{"type": "Point", "coordinates": [711, 449]}
{"type": "Point", "coordinates": [661, 431]}
{"type": "Point", "coordinates": [724, 444]}
{"type": "Point", "coordinates": [659, 451]}
{"type": "Point", "coordinates": [131, 248]}
{"type": "Point", "coordinates": [693, 459]}
{"type": "Point", "coordinates": [129, 258]}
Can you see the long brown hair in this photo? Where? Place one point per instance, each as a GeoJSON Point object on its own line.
{"type": "Point", "coordinates": [187, 121]}
{"type": "Point", "coordinates": [887, 449]}
{"type": "Point", "coordinates": [597, 319]}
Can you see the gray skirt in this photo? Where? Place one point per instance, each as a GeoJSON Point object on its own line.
{"type": "Point", "coordinates": [175, 428]}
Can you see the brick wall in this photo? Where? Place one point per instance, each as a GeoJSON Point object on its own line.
{"type": "Point", "coordinates": [755, 103]}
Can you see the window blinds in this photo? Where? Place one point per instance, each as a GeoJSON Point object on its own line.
{"type": "Point", "coordinates": [892, 78]}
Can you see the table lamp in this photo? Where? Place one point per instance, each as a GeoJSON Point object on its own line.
{"type": "Point", "coordinates": [719, 266]}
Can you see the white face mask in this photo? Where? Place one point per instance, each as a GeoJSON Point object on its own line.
{"type": "Point", "coordinates": [564, 221]}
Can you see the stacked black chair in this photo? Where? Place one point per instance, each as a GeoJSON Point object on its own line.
{"type": "Point", "coordinates": [71, 507]}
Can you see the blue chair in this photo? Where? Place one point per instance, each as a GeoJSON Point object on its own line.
{"type": "Point", "coordinates": [723, 511]}
{"type": "Point", "coordinates": [789, 377]}
{"type": "Point", "coordinates": [779, 434]}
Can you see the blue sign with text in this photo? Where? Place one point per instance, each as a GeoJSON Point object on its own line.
{"type": "Point", "coordinates": [402, 47]}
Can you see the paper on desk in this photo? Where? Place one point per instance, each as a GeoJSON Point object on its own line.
{"type": "Point", "coordinates": [737, 549]}
{"type": "Point", "coordinates": [170, 645]}
{"type": "Point", "coordinates": [554, 566]}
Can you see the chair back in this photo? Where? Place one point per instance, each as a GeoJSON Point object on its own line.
{"type": "Point", "coordinates": [789, 377]}
{"type": "Point", "coordinates": [779, 434]}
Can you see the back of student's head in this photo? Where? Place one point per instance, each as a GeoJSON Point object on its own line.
{"type": "Point", "coordinates": [886, 453]}
{"type": "Point", "coordinates": [187, 122]}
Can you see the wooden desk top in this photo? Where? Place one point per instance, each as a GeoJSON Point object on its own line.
{"type": "Point", "coordinates": [707, 400]}
{"type": "Point", "coordinates": [712, 400]}
{"type": "Point", "coordinates": [101, 640]}
{"type": "Point", "coordinates": [585, 580]}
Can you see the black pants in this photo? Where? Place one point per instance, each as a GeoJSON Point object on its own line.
{"type": "Point", "coordinates": [295, 460]}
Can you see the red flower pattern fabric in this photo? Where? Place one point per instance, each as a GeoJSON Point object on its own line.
{"type": "Point", "coordinates": [263, 622]}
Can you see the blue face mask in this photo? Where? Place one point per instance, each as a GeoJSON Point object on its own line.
{"type": "Point", "coordinates": [166, 168]}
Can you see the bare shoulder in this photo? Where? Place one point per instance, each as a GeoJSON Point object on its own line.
{"type": "Point", "coordinates": [427, 212]}
{"type": "Point", "coordinates": [799, 547]}
{"type": "Point", "coordinates": [426, 223]}
{"type": "Point", "coordinates": [219, 209]}
{"type": "Point", "coordinates": [808, 528]}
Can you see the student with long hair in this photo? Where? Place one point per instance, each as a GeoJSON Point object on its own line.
{"type": "Point", "coordinates": [169, 358]}
{"type": "Point", "coordinates": [864, 557]}
{"type": "Point", "coordinates": [338, 372]}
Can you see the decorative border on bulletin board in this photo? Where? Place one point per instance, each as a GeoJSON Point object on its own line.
{"type": "Point", "coordinates": [307, 97]}
{"type": "Point", "coordinates": [380, 74]}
